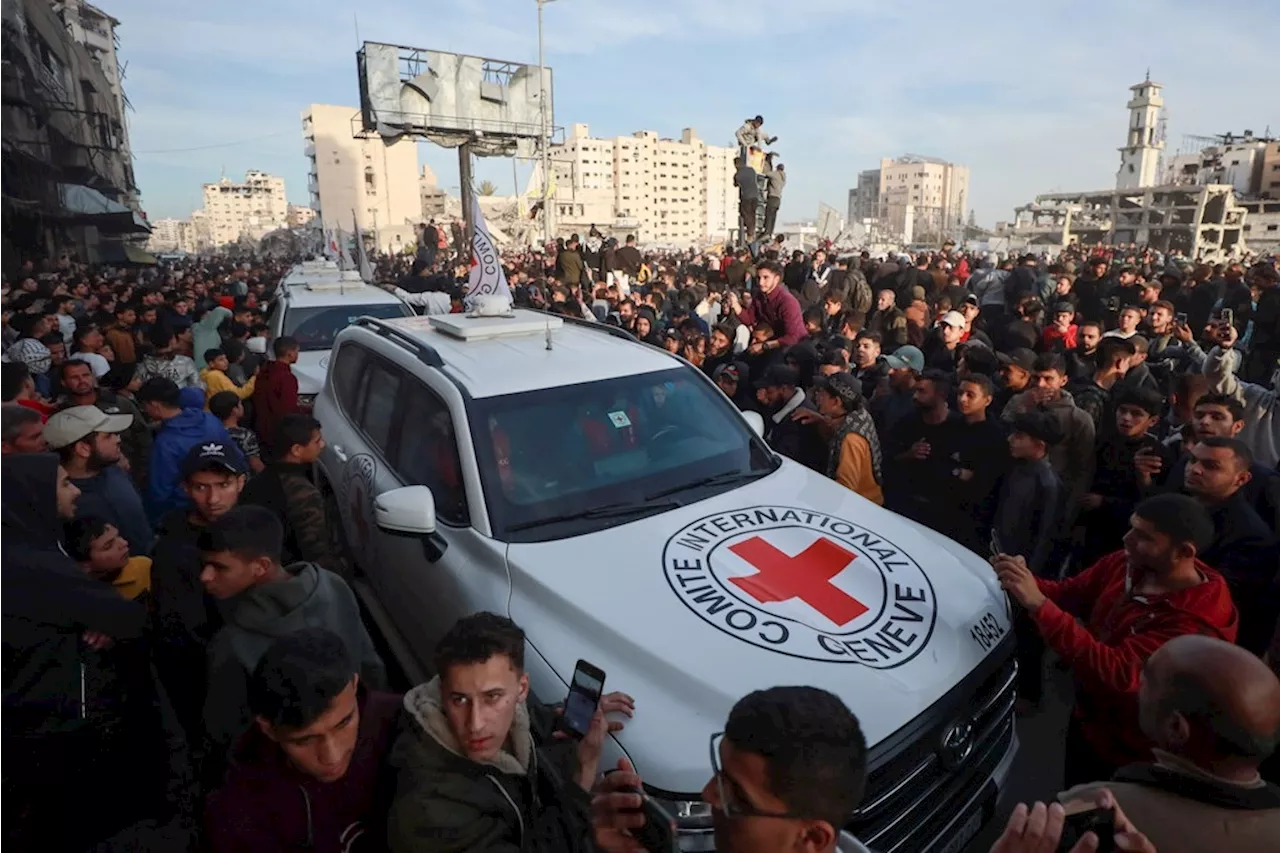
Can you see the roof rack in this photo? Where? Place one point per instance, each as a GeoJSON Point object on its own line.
{"type": "Point", "coordinates": [613, 331]}
{"type": "Point", "coordinates": [425, 352]}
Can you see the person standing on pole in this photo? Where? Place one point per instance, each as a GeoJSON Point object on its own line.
{"type": "Point", "coordinates": [777, 178]}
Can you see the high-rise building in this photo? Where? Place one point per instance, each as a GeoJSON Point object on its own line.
{"type": "Point", "coordinates": [1140, 157]}
{"type": "Point", "coordinates": [864, 200]}
{"type": "Point", "coordinates": [167, 235]}
{"type": "Point", "coordinates": [361, 178]}
{"type": "Point", "coordinates": [435, 202]}
{"type": "Point", "coordinates": [913, 197]}
{"type": "Point", "coordinates": [299, 215]}
{"type": "Point", "coordinates": [250, 209]}
{"type": "Point", "coordinates": [671, 190]}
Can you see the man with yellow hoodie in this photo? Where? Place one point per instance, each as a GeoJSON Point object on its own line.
{"type": "Point", "coordinates": [215, 377]}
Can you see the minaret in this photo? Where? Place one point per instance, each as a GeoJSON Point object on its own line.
{"type": "Point", "coordinates": [1140, 157]}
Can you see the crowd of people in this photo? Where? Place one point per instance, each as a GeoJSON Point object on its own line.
{"type": "Point", "coordinates": [1102, 425]}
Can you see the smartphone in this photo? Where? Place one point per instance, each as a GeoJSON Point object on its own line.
{"type": "Point", "coordinates": [1180, 319]}
{"type": "Point", "coordinates": [1101, 822]}
{"type": "Point", "coordinates": [658, 835]}
{"type": "Point", "coordinates": [584, 697]}
{"type": "Point", "coordinates": [1227, 316]}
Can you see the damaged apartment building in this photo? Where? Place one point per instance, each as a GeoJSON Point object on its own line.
{"type": "Point", "coordinates": [1219, 201]}
{"type": "Point", "coordinates": [68, 181]}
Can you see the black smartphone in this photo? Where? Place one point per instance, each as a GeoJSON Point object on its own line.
{"type": "Point", "coordinates": [658, 835]}
{"type": "Point", "coordinates": [1180, 319]}
{"type": "Point", "coordinates": [1227, 316]}
{"type": "Point", "coordinates": [1101, 822]}
{"type": "Point", "coordinates": [584, 697]}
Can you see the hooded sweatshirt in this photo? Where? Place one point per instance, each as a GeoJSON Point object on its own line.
{"type": "Point", "coordinates": [204, 333]}
{"type": "Point", "coordinates": [48, 602]}
{"type": "Point", "coordinates": [173, 441]}
{"type": "Point", "coordinates": [306, 596]}
{"type": "Point", "coordinates": [446, 803]}
{"type": "Point", "coordinates": [267, 805]}
{"type": "Point", "coordinates": [1120, 631]}
{"type": "Point", "coordinates": [274, 396]}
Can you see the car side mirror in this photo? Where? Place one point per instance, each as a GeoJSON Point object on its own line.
{"type": "Point", "coordinates": [410, 511]}
{"type": "Point", "coordinates": [756, 421]}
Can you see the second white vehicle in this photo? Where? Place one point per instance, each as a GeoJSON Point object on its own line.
{"type": "Point", "coordinates": [313, 304]}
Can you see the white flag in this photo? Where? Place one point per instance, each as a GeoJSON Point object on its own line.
{"type": "Point", "coordinates": [362, 257]}
{"type": "Point", "coordinates": [330, 245]}
{"type": "Point", "coordinates": [487, 275]}
{"type": "Point", "coordinates": [344, 255]}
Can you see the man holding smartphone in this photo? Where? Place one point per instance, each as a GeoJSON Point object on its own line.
{"type": "Point", "coordinates": [474, 768]}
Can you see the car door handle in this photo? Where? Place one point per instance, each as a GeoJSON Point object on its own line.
{"type": "Point", "coordinates": [339, 452]}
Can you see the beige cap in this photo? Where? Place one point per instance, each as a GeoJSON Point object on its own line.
{"type": "Point", "coordinates": [78, 422]}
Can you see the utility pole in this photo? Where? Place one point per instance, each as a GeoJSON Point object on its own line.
{"type": "Point", "coordinates": [465, 192]}
{"type": "Point", "coordinates": [546, 138]}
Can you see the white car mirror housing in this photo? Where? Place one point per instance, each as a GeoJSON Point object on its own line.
{"type": "Point", "coordinates": [410, 511]}
{"type": "Point", "coordinates": [756, 421]}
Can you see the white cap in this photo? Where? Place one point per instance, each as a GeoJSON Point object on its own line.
{"type": "Point", "coordinates": [78, 422]}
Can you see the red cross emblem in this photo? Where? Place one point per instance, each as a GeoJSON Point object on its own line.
{"type": "Point", "coordinates": [806, 576]}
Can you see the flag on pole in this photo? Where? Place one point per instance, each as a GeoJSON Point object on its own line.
{"type": "Point", "coordinates": [487, 276]}
{"type": "Point", "coordinates": [344, 255]}
{"type": "Point", "coordinates": [362, 257]}
{"type": "Point", "coordinates": [330, 245]}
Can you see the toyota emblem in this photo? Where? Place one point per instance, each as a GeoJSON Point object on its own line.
{"type": "Point", "coordinates": [957, 744]}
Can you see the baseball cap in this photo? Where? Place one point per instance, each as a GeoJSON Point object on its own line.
{"type": "Point", "coordinates": [71, 425]}
{"type": "Point", "coordinates": [907, 356]}
{"type": "Point", "coordinates": [971, 299]}
{"type": "Point", "coordinates": [778, 375]}
{"type": "Point", "coordinates": [1019, 357]}
{"type": "Point", "coordinates": [1064, 308]}
{"type": "Point", "coordinates": [214, 456]}
{"type": "Point", "coordinates": [728, 371]}
{"type": "Point", "coordinates": [953, 318]}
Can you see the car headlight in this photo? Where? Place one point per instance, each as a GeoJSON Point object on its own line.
{"type": "Point", "coordinates": [306, 401]}
{"type": "Point", "coordinates": [693, 822]}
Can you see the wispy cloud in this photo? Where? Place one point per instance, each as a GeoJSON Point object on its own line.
{"type": "Point", "coordinates": [1029, 95]}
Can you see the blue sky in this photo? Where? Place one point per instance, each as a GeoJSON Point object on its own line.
{"type": "Point", "coordinates": [1029, 94]}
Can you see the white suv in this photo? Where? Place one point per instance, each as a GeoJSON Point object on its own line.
{"type": "Point", "coordinates": [314, 302]}
{"type": "Point", "coordinates": [608, 497]}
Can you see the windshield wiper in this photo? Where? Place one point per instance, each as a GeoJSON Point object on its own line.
{"type": "Point", "coordinates": [617, 510]}
{"type": "Point", "coordinates": [723, 478]}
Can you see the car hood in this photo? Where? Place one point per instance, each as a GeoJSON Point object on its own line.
{"type": "Point", "coordinates": [692, 609]}
{"type": "Point", "coordinates": [311, 368]}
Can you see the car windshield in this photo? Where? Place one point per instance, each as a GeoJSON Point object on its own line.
{"type": "Point", "coordinates": [315, 328]}
{"type": "Point", "coordinates": [564, 461]}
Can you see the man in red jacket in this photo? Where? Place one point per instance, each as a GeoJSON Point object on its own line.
{"type": "Point", "coordinates": [312, 772]}
{"type": "Point", "coordinates": [276, 392]}
{"type": "Point", "coordinates": [1132, 602]}
{"type": "Point", "coordinates": [776, 305]}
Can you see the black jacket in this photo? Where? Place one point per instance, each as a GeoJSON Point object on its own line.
{"type": "Point", "coordinates": [1244, 550]}
{"type": "Point", "coordinates": [48, 602]}
{"type": "Point", "coordinates": [1029, 515]}
{"type": "Point", "coordinates": [185, 619]}
{"type": "Point", "coordinates": [75, 719]}
{"type": "Point", "coordinates": [1116, 480]}
{"type": "Point", "coordinates": [799, 442]}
